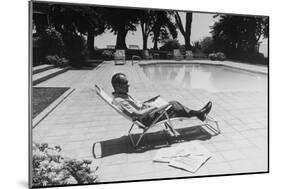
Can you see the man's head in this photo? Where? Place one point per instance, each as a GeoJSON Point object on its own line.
{"type": "Point", "coordinates": [119, 82]}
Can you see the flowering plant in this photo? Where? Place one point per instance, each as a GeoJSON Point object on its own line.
{"type": "Point", "coordinates": [50, 168]}
{"type": "Point", "coordinates": [107, 54]}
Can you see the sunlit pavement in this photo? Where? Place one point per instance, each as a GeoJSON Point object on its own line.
{"type": "Point", "coordinates": [84, 119]}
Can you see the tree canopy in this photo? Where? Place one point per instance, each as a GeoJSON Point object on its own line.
{"type": "Point", "coordinates": [235, 34]}
{"type": "Point", "coordinates": [162, 21]}
{"type": "Point", "coordinates": [157, 24]}
{"type": "Point", "coordinates": [186, 31]}
{"type": "Point", "coordinates": [120, 21]}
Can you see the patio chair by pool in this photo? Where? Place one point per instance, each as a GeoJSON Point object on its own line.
{"type": "Point", "coordinates": [188, 55]}
{"type": "Point", "coordinates": [177, 54]}
{"type": "Point", "coordinates": [167, 123]}
{"type": "Point", "coordinates": [120, 57]}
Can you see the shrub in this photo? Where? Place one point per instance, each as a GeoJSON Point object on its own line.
{"type": "Point", "coordinates": [50, 168]}
{"type": "Point", "coordinates": [220, 56]}
{"type": "Point", "coordinates": [107, 55]}
{"type": "Point", "coordinates": [170, 45]}
{"type": "Point", "coordinates": [213, 56]}
{"type": "Point", "coordinates": [217, 56]}
{"type": "Point", "coordinates": [195, 46]}
{"type": "Point", "coordinates": [75, 47]}
{"type": "Point", "coordinates": [51, 42]}
{"type": "Point", "coordinates": [56, 60]}
{"type": "Point", "coordinates": [207, 45]}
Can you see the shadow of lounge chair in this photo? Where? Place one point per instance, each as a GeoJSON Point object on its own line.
{"type": "Point", "coordinates": [151, 141]}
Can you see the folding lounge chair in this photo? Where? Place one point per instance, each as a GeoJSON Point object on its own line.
{"type": "Point", "coordinates": [177, 54]}
{"type": "Point", "coordinates": [188, 55]}
{"type": "Point", "coordinates": [119, 57]}
{"type": "Point", "coordinates": [168, 126]}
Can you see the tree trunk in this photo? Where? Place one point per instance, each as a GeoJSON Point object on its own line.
{"type": "Point", "coordinates": [155, 46]}
{"type": "Point", "coordinates": [188, 31]}
{"type": "Point", "coordinates": [144, 36]}
{"type": "Point", "coordinates": [144, 47]}
{"type": "Point", "coordinates": [121, 38]}
{"type": "Point", "coordinates": [156, 38]}
{"type": "Point", "coordinates": [90, 41]}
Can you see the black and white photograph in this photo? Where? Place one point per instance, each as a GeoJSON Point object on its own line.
{"type": "Point", "coordinates": [124, 94]}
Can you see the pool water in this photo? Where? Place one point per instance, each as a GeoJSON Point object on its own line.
{"type": "Point", "coordinates": [212, 78]}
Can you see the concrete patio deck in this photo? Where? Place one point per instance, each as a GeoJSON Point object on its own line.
{"type": "Point", "coordinates": [84, 119]}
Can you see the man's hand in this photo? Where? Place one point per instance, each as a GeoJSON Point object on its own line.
{"type": "Point", "coordinates": [145, 106]}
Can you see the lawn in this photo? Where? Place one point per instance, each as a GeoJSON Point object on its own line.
{"type": "Point", "coordinates": [42, 97]}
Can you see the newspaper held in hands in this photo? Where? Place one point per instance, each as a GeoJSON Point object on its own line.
{"type": "Point", "coordinates": [158, 102]}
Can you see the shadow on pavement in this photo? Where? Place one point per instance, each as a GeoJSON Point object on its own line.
{"type": "Point", "coordinates": [91, 67]}
{"type": "Point", "coordinates": [151, 141]}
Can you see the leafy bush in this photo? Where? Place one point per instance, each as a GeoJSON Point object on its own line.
{"type": "Point", "coordinates": [213, 56]}
{"type": "Point", "coordinates": [56, 60]}
{"type": "Point", "coordinates": [195, 46]}
{"type": "Point", "coordinates": [51, 42]}
{"type": "Point", "coordinates": [170, 45]}
{"type": "Point", "coordinates": [220, 56]}
{"type": "Point", "coordinates": [207, 45]}
{"type": "Point", "coordinates": [50, 168]}
{"type": "Point", "coordinates": [75, 47]}
{"type": "Point", "coordinates": [107, 55]}
{"type": "Point", "coordinates": [217, 56]}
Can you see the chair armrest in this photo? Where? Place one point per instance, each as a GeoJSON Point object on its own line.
{"type": "Point", "coordinates": [152, 99]}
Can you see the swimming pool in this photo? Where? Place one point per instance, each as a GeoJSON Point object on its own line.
{"type": "Point", "coordinates": [212, 78]}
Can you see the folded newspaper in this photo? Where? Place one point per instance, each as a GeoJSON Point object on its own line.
{"type": "Point", "coordinates": [159, 102]}
{"type": "Point", "coordinates": [189, 156]}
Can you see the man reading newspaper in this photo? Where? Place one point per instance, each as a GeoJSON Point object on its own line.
{"type": "Point", "coordinates": [148, 111]}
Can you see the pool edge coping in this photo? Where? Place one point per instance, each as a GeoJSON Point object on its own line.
{"type": "Point", "coordinates": [236, 65]}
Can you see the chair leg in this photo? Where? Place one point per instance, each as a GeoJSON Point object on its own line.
{"type": "Point", "coordinates": [130, 135]}
{"type": "Point", "coordinates": [136, 143]}
{"type": "Point", "coordinates": [216, 129]}
{"type": "Point", "coordinates": [170, 126]}
{"type": "Point", "coordinates": [141, 136]}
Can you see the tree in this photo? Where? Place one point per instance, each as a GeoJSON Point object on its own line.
{"type": "Point", "coordinates": [146, 22]}
{"type": "Point", "coordinates": [207, 45]}
{"type": "Point", "coordinates": [170, 45]}
{"type": "Point", "coordinates": [91, 23]}
{"type": "Point", "coordinates": [120, 21]}
{"type": "Point", "coordinates": [86, 20]}
{"type": "Point", "coordinates": [239, 34]}
{"type": "Point", "coordinates": [75, 22]}
{"type": "Point", "coordinates": [187, 31]}
{"type": "Point", "coordinates": [158, 24]}
{"type": "Point", "coordinates": [161, 22]}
